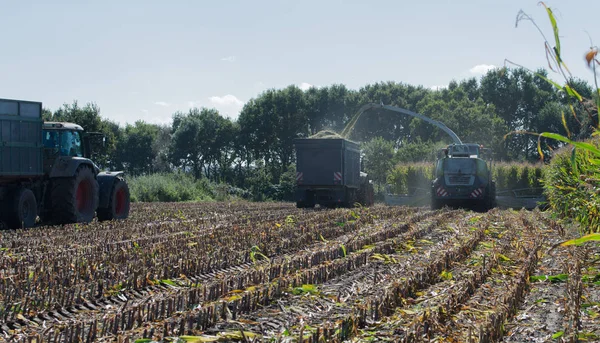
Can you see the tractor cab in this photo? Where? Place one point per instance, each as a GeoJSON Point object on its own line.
{"type": "Point", "coordinates": [64, 139]}
{"type": "Point", "coordinates": [62, 142]}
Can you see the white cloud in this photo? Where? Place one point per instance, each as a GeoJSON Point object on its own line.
{"type": "Point", "coordinates": [192, 104]}
{"type": "Point", "coordinates": [162, 103]}
{"type": "Point", "coordinates": [481, 69]}
{"type": "Point", "coordinates": [228, 59]}
{"type": "Point", "coordinates": [228, 105]}
{"type": "Point", "coordinates": [305, 86]}
{"type": "Point", "coordinates": [144, 111]}
{"type": "Point", "coordinates": [225, 100]}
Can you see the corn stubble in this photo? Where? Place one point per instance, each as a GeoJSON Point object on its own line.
{"type": "Point", "coordinates": [271, 272]}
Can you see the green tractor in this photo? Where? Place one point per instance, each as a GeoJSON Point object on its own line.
{"type": "Point", "coordinates": [46, 171]}
{"type": "Point", "coordinates": [463, 178]}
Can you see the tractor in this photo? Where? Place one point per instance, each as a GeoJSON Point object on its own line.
{"type": "Point", "coordinates": [46, 170]}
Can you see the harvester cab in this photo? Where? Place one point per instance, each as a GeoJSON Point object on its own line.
{"type": "Point", "coordinates": [463, 177]}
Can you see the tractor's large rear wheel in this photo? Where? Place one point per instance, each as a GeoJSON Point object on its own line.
{"type": "Point", "coordinates": [75, 199]}
{"type": "Point", "coordinates": [24, 209]}
{"type": "Point", "coordinates": [118, 203]}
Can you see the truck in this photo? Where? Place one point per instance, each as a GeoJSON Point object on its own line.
{"type": "Point", "coordinates": [46, 172]}
{"type": "Point", "coordinates": [463, 178]}
{"type": "Point", "coordinates": [328, 173]}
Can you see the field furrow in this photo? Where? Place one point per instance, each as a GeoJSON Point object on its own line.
{"type": "Point", "coordinates": [186, 292]}
{"type": "Point", "coordinates": [270, 272]}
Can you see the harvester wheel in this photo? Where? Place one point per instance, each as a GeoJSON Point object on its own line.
{"type": "Point", "coordinates": [435, 203]}
{"type": "Point", "coordinates": [75, 199]}
{"type": "Point", "coordinates": [494, 203]}
{"type": "Point", "coordinates": [24, 211]}
{"type": "Point", "coordinates": [118, 204]}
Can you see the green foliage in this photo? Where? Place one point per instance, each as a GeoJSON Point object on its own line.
{"type": "Point", "coordinates": [408, 178]}
{"type": "Point", "coordinates": [572, 185]}
{"type": "Point", "coordinates": [201, 139]}
{"type": "Point", "coordinates": [378, 158]}
{"type": "Point", "coordinates": [416, 151]}
{"type": "Point", "coordinates": [135, 148]}
{"type": "Point", "coordinates": [170, 187]}
{"type": "Point", "coordinates": [518, 176]}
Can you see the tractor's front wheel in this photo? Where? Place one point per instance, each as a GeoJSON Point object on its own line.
{"type": "Point", "coordinates": [118, 204]}
{"type": "Point", "coordinates": [75, 199]}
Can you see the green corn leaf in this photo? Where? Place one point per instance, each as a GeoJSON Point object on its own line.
{"type": "Point", "coordinates": [199, 339]}
{"type": "Point", "coordinates": [564, 122]}
{"type": "Point", "coordinates": [572, 92]}
{"type": "Point", "coordinates": [582, 145]}
{"type": "Point", "coordinates": [539, 147]}
{"type": "Point", "coordinates": [581, 240]}
{"type": "Point", "coordinates": [555, 29]}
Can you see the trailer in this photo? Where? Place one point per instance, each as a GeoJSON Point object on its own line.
{"type": "Point", "coordinates": [328, 174]}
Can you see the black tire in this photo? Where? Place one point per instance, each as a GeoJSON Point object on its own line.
{"type": "Point", "coordinates": [435, 203]}
{"type": "Point", "coordinates": [75, 199]}
{"type": "Point", "coordinates": [494, 203]}
{"type": "Point", "coordinates": [118, 203]}
{"type": "Point", "coordinates": [24, 209]}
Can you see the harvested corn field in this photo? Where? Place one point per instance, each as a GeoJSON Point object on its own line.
{"type": "Point", "coordinates": [271, 272]}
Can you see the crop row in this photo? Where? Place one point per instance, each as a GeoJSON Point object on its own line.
{"type": "Point", "coordinates": [214, 296]}
{"type": "Point", "coordinates": [63, 278]}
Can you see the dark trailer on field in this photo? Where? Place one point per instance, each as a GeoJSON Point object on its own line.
{"type": "Point", "coordinates": [328, 173]}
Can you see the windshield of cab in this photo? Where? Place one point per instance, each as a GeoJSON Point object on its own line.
{"type": "Point", "coordinates": [460, 166]}
{"type": "Point", "coordinates": [465, 166]}
{"type": "Point", "coordinates": [67, 143]}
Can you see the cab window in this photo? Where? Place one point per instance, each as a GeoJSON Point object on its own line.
{"type": "Point", "coordinates": [70, 143]}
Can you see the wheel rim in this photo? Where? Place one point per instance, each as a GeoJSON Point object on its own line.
{"type": "Point", "coordinates": [120, 201]}
{"type": "Point", "coordinates": [83, 195]}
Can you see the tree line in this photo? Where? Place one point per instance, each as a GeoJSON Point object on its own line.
{"type": "Point", "coordinates": [257, 148]}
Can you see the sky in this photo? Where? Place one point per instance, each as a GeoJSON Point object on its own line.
{"type": "Point", "coordinates": [145, 60]}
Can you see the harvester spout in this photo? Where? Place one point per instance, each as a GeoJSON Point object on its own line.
{"type": "Point", "coordinates": [369, 106]}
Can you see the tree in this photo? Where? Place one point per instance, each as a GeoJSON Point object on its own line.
{"type": "Point", "coordinates": [378, 158]}
{"type": "Point", "coordinates": [270, 123]}
{"type": "Point", "coordinates": [136, 149]}
{"type": "Point", "coordinates": [199, 140]}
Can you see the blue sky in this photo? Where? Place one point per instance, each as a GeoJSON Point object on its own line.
{"type": "Point", "coordinates": [148, 59]}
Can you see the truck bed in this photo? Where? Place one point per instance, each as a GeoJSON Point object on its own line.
{"type": "Point", "coordinates": [327, 163]}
